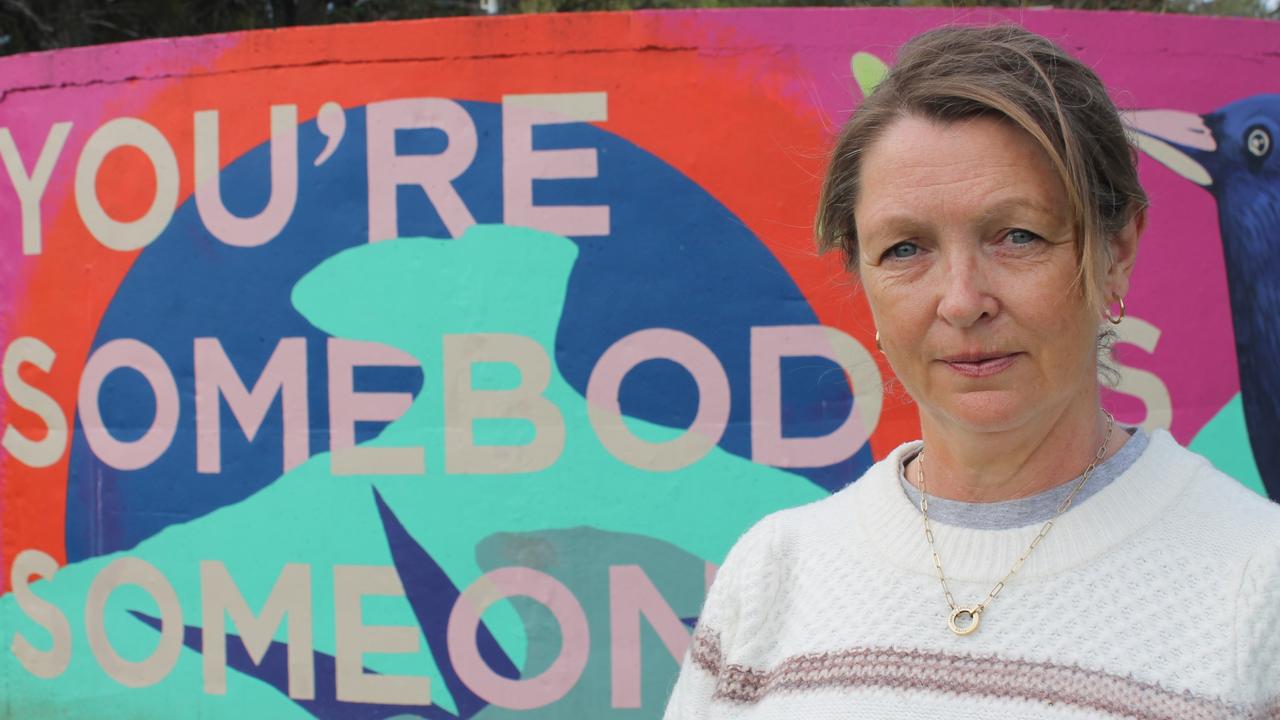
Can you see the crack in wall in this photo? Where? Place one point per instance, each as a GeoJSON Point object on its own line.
{"type": "Point", "coordinates": [651, 48]}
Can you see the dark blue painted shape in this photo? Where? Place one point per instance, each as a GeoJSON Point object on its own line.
{"type": "Point", "coordinates": [432, 596]}
{"type": "Point", "coordinates": [274, 671]}
{"type": "Point", "coordinates": [675, 258]}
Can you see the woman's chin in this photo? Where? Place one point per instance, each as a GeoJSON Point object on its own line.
{"type": "Point", "coordinates": [987, 411]}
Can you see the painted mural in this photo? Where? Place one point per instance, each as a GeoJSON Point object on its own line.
{"type": "Point", "coordinates": [426, 370]}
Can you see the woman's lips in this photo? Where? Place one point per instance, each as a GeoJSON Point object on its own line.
{"type": "Point", "coordinates": [983, 368]}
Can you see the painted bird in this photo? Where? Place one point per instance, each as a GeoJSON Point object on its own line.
{"type": "Point", "coordinates": [1231, 153]}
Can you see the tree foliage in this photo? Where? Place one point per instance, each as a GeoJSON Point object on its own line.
{"type": "Point", "coordinates": [31, 25]}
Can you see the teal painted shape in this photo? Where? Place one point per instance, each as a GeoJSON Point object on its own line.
{"type": "Point", "coordinates": [1225, 441]}
{"type": "Point", "coordinates": [408, 293]}
{"type": "Point", "coordinates": [499, 279]}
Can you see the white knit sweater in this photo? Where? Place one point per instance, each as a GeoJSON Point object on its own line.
{"type": "Point", "coordinates": [1157, 597]}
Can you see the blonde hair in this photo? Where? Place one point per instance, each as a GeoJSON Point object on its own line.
{"type": "Point", "coordinates": [956, 73]}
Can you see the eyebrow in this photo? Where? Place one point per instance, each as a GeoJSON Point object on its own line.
{"type": "Point", "coordinates": [1017, 202]}
{"type": "Point", "coordinates": [896, 222]}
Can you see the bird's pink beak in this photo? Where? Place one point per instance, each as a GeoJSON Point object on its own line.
{"type": "Point", "coordinates": [1167, 135]}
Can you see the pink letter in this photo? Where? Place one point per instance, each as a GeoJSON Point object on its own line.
{"type": "Point", "coordinates": [632, 594]}
{"type": "Point", "coordinates": [463, 405]}
{"type": "Point", "coordinates": [127, 570]}
{"type": "Point", "coordinates": [51, 663]}
{"type": "Point", "coordinates": [285, 374]}
{"type": "Point", "coordinates": [346, 406]}
{"type": "Point", "coordinates": [25, 448]}
{"type": "Point", "coordinates": [521, 164]}
{"type": "Point", "coordinates": [1143, 384]}
{"type": "Point", "coordinates": [290, 596]}
{"type": "Point", "coordinates": [141, 357]}
{"type": "Point", "coordinates": [526, 693]}
{"type": "Point", "coordinates": [768, 346]}
{"type": "Point", "coordinates": [353, 640]}
{"type": "Point", "coordinates": [259, 229]}
{"type": "Point", "coordinates": [134, 234]}
{"type": "Point", "coordinates": [30, 188]}
{"type": "Point", "coordinates": [433, 173]}
{"type": "Point", "coordinates": [605, 413]}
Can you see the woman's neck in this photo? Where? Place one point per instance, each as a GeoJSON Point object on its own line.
{"type": "Point", "coordinates": [1006, 465]}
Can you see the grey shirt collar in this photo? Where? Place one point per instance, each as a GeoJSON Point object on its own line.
{"type": "Point", "coordinates": [1033, 508]}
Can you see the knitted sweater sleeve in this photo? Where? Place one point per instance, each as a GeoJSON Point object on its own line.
{"type": "Point", "coordinates": [1258, 629]}
{"type": "Point", "coordinates": [735, 605]}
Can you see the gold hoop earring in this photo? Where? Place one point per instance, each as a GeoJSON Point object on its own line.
{"type": "Point", "coordinates": [878, 345]}
{"type": "Point", "coordinates": [1113, 319]}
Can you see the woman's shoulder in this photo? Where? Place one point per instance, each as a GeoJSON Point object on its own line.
{"type": "Point", "coordinates": [1228, 525]}
{"type": "Point", "coordinates": [785, 533]}
{"type": "Point", "coordinates": [1216, 498]}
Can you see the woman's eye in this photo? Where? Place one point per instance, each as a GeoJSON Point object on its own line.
{"type": "Point", "coordinates": [1022, 237]}
{"type": "Point", "coordinates": [901, 251]}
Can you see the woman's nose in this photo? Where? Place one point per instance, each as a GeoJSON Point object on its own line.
{"type": "Point", "coordinates": [965, 292]}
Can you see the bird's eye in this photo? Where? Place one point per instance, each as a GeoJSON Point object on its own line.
{"type": "Point", "coordinates": [1258, 141]}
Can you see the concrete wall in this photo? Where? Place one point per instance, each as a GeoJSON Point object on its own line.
{"type": "Point", "coordinates": [360, 329]}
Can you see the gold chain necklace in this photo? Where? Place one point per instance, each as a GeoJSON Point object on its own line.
{"type": "Point", "coordinates": [964, 620]}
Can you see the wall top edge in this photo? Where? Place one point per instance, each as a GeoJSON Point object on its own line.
{"type": "Point", "coordinates": [485, 37]}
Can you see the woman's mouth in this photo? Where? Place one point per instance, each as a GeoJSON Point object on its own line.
{"type": "Point", "coordinates": [981, 366]}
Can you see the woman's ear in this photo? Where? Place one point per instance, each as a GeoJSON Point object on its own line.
{"type": "Point", "coordinates": [1124, 252]}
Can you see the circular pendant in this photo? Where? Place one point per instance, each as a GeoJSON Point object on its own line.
{"type": "Point", "coordinates": [964, 620]}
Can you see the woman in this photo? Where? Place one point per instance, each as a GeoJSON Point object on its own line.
{"type": "Point", "coordinates": [1028, 558]}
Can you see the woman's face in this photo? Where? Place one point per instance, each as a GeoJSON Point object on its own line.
{"type": "Point", "coordinates": [967, 256]}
